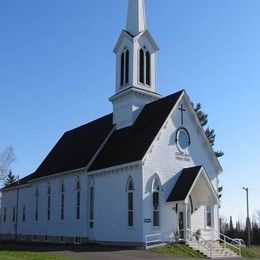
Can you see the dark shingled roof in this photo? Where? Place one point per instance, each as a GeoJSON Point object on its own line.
{"type": "Point", "coordinates": [77, 147]}
{"type": "Point", "coordinates": [184, 183]}
{"type": "Point", "coordinates": [131, 143]}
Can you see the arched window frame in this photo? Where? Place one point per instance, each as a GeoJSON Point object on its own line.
{"type": "Point", "coordinates": [48, 202]}
{"type": "Point", "coordinates": [144, 66]}
{"type": "Point", "coordinates": [78, 197]}
{"type": "Point", "coordinates": [156, 192]}
{"type": "Point", "coordinates": [124, 67]}
{"type": "Point", "coordinates": [141, 66]}
{"type": "Point", "coordinates": [62, 200]}
{"type": "Point", "coordinates": [91, 201]}
{"type": "Point", "coordinates": [130, 201]}
{"type": "Point", "coordinates": [148, 68]}
{"type": "Point", "coordinates": [36, 204]}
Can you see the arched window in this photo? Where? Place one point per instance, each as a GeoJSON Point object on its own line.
{"type": "Point", "coordinates": [62, 200]}
{"type": "Point", "coordinates": [36, 204]}
{"type": "Point", "coordinates": [141, 66]}
{"type": "Point", "coordinates": [130, 201]}
{"type": "Point", "coordinates": [156, 202]}
{"type": "Point", "coordinates": [122, 69]}
{"type": "Point", "coordinates": [91, 202]}
{"type": "Point", "coordinates": [78, 199]}
{"type": "Point", "coordinates": [126, 66]}
{"type": "Point", "coordinates": [49, 202]}
{"type": "Point", "coordinates": [148, 68]}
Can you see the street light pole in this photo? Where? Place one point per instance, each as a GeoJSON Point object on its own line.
{"type": "Point", "coordinates": [247, 219]}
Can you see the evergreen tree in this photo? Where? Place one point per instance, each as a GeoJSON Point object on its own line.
{"type": "Point", "coordinates": [231, 228]}
{"type": "Point", "coordinates": [210, 133]}
{"type": "Point", "coordinates": [10, 179]}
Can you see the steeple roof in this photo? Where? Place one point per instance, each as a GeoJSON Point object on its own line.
{"type": "Point", "coordinates": [136, 21]}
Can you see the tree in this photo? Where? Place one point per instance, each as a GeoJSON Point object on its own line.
{"type": "Point", "coordinates": [10, 179]}
{"type": "Point", "coordinates": [231, 228]}
{"type": "Point", "coordinates": [210, 133]}
{"type": "Point", "coordinates": [7, 157]}
{"type": "Point", "coordinates": [223, 224]}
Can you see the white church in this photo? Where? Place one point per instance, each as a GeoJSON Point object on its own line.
{"type": "Point", "coordinates": [144, 173]}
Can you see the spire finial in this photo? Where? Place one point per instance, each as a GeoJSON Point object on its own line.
{"type": "Point", "coordinates": [136, 21]}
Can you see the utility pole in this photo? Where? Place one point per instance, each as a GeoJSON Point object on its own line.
{"type": "Point", "coordinates": [247, 219]}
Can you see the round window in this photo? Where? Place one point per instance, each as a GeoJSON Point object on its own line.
{"type": "Point", "coordinates": [183, 139]}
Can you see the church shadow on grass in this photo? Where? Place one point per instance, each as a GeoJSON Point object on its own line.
{"type": "Point", "coordinates": [50, 247]}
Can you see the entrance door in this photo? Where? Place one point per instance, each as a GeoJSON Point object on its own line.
{"type": "Point", "coordinates": [181, 224]}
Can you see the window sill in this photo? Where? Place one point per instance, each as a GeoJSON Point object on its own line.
{"type": "Point", "coordinates": [208, 228]}
{"type": "Point", "coordinates": [130, 227]}
{"type": "Point", "coordinates": [156, 227]}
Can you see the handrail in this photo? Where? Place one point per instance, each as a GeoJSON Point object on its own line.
{"type": "Point", "coordinates": [153, 241]}
{"type": "Point", "coordinates": [199, 240]}
{"type": "Point", "coordinates": [225, 238]}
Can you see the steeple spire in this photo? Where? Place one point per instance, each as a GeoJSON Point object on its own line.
{"type": "Point", "coordinates": [136, 21]}
{"type": "Point", "coordinates": [135, 68]}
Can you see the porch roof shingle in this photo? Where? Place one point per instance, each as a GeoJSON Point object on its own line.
{"type": "Point", "coordinates": [184, 184]}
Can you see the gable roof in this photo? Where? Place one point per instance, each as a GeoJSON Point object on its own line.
{"type": "Point", "coordinates": [131, 143]}
{"type": "Point", "coordinates": [78, 147]}
{"type": "Point", "coordinates": [184, 184]}
{"type": "Point", "coordinates": [125, 34]}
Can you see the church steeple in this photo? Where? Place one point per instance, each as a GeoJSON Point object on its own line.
{"type": "Point", "coordinates": [135, 67]}
{"type": "Point", "coordinates": [136, 21]}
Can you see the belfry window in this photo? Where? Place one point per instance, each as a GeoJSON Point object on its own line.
{"type": "Point", "coordinates": [124, 68]}
{"type": "Point", "coordinates": [122, 73]}
{"type": "Point", "coordinates": [141, 66]}
{"type": "Point", "coordinates": [130, 202]}
{"type": "Point", "coordinates": [148, 68]}
{"type": "Point", "coordinates": [144, 67]}
{"type": "Point", "coordinates": [156, 203]}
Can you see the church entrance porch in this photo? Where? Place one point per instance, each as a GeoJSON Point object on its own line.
{"type": "Point", "coordinates": [196, 204]}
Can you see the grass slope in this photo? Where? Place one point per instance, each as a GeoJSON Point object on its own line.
{"type": "Point", "coordinates": [252, 252]}
{"type": "Point", "coordinates": [177, 250]}
{"type": "Point", "coordinates": [22, 255]}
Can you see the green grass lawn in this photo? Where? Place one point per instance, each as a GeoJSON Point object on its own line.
{"type": "Point", "coordinates": [177, 250]}
{"type": "Point", "coordinates": [252, 252]}
{"type": "Point", "coordinates": [22, 255]}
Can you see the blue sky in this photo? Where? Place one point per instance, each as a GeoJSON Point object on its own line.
{"type": "Point", "coordinates": [57, 70]}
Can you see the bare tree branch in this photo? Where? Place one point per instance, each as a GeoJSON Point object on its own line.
{"type": "Point", "coordinates": [7, 157]}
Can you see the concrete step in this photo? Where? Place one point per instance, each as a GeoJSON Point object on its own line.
{"type": "Point", "coordinates": [217, 252]}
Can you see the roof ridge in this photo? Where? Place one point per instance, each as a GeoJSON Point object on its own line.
{"type": "Point", "coordinates": [89, 123]}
